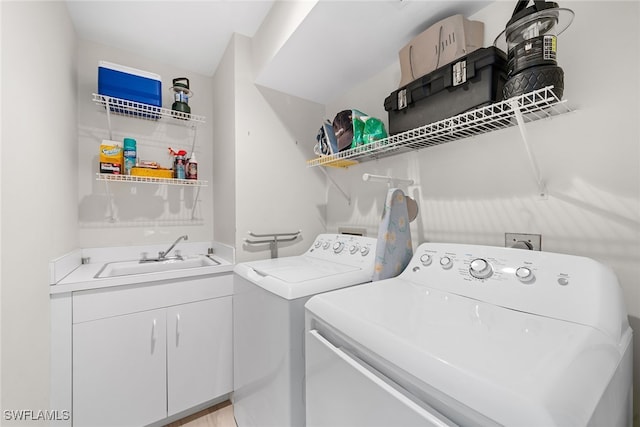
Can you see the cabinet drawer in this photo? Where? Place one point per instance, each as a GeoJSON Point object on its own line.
{"type": "Point", "coordinates": [102, 303]}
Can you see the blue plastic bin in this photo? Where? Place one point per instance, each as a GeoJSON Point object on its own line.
{"type": "Point", "coordinates": [130, 84]}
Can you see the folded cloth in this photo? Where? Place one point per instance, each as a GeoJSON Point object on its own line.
{"type": "Point", "coordinates": [394, 249]}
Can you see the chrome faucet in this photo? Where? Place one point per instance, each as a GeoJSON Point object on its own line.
{"type": "Point", "coordinates": [163, 254]}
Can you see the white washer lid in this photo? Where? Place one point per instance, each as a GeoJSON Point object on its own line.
{"type": "Point", "coordinates": [513, 367]}
{"type": "Point", "coordinates": [299, 269]}
{"type": "Point", "coordinates": [300, 276]}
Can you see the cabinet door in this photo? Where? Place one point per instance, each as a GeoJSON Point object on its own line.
{"type": "Point", "coordinates": [199, 353]}
{"type": "Point", "coordinates": [119, 370]}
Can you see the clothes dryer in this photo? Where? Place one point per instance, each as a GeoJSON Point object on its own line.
{"type": "Point", "coordinates": [268, 323]}
{"type": "Point", "coordinates": [473, 336]}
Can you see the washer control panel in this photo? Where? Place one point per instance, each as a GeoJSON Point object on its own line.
{"type": "Point", "coordinates": [478, 265]}
{"type": "Point", "coordinates": [557, 285]}
{"type": "Point", "coordinates": [346, 248]}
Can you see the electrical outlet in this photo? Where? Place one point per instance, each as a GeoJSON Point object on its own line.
{"type": "Point", "coordinates": [523, 241]}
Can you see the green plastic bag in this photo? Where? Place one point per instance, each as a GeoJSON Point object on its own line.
{"type": "Point", "coordinates": [366, 129]}
{"type": "Point", "coordinates": [374, 130]}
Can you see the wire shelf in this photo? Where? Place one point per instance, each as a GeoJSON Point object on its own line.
{"type": "Point", "coordinates": [139, 110]}
{"type": "Point", "coordinates": [535, 105]}
{"type": "Point", "coordinates": [151, 180]}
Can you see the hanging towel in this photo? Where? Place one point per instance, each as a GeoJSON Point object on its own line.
{"type": "Point", "coordinates": [394, 249]}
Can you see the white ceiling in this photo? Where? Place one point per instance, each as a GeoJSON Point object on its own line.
{"type": "Point", "coordinates": [338, 44]}
{"type": "Point", "coordinates": [190, 34]}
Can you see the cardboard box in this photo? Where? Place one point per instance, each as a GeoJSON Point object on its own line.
{"type": "Point", "coordinates": [111, 157]}
{"type": "Point", "coordinates": [153, 173]}
{"type": "Point", "coordinates": [440, 44]}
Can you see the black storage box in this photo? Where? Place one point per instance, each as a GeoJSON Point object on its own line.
{"type": "Point", "coordinates": [464, 84]}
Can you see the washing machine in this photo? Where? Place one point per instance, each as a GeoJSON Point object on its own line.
{"type": "Point", "coordinates": [268, 323]}
{"type": "Point", "coordinates": [473, 336]}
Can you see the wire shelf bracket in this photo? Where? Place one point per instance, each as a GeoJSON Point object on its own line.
{"type": "Point", "coordinates": [107, 178]}
{"type": "Point", "coordinates": [542, 188]}
{"type": "Point", "coordinates": [335, 184]}
{"type": "Point", "coordinates": [516, 111]}
{"type": "Point", "coordinates": [124, 107]}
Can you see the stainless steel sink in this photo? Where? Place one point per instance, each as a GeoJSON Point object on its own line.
{"type": "Point", "coordinates": [126, 268]}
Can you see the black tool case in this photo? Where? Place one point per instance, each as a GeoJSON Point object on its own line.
{"type": "Point", "coordinates": [469, 82]}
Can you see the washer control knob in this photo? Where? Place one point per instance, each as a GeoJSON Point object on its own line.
{"type": "Point", "coordinates": [353, 249]}
{"type": "Point", "coordinates": [318, 244]}
{"type": "Point", "coordinates": [446, 262]}
{"type": "Point", "coordinates": [524, 274]}
{"type": "Point", "coordinates": [326, 245]}
{"type": "Point", "coordinates": [480, 268]}
{"type": "Point", "coordinates": [364, 250]}
{"type": "Point", "coordinates": [338, 247]}
{"type": "Point", "coordinates": [425, 259]}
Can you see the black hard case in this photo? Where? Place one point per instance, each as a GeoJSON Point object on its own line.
{"type": "Point", "coordinates": [445, 92]}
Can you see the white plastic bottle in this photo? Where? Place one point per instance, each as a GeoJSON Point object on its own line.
{"type": "Point", "coordinates": [192, 167]}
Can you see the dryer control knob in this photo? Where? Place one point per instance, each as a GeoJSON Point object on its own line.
{"type": "Point", "coordinates": [446, 262]}
{"type": "Point", "coordinates": [425, 259]}
{"type": "Point", "coordinates": [353, 249]}
{"type": "Point", "coordinates": [338, 247]}
{"type": "Point", "coordinates": [318, 244]}
{"type": "Point", "coordinates": [524, 274]}
{"type": "Point", "coordinates": [364, 251]}
{"type": "Point", "coordinates": [326, 245]}
{"type": "Point", "coordinates": [480, 268]}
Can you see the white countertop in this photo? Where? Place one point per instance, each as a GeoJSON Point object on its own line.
{"type": "Point", "coordinates": [68, 274]}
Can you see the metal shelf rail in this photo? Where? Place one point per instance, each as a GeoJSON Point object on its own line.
{"type": "Point", "coordinates": [142, 111]}
{"type": "Point", "coordinates": [522, 109]}
{"type": "Point", "coordinates": [150, 180]}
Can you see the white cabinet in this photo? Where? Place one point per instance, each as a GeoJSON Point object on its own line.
{"type": "Point", "coordinates": [199, 353]}
{"type": "Point", "coordinates": [144, 353]}
{"type": "Point", "coordinates": [119, 370]}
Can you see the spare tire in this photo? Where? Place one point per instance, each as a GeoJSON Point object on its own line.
{"type": "Point", "coordinates": [535, 78]}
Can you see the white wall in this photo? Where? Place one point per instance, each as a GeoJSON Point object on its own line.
{"type": "Point", "coordinates": [477, 189]}
{"type": "Point", "coordinates": [224, 155]}
{"type": "Point", "coordinates": [274, 135]}
{"type": "Point", "coordinates": [145, 213]}
{"type": "Point", "coordinates": [468, 191]}
{"type": "Point", "coordinates": [280, 23]}
{"type": "Point", "coordinates": [39, 187]}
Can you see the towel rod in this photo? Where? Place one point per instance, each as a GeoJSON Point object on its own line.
{"type": "Point", "coordinates": [272, 239]}
{"type": "Point", "coordinates": [388, 179]}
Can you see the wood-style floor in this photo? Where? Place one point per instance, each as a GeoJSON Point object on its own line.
{"type": "Point", "coordinates": [220, 415]}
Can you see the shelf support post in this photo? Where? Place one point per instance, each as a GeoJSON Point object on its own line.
{"type": "Point", "coordinates": [195, 203]}
{"type": "Point", "coordinates": [108, 106]}
{"type": "Point", "coordinates": [112, 217]}
{"type": "Point", "coordinates": [194, 129]}
{"type": "Point", "coordinates": [542, 189]}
